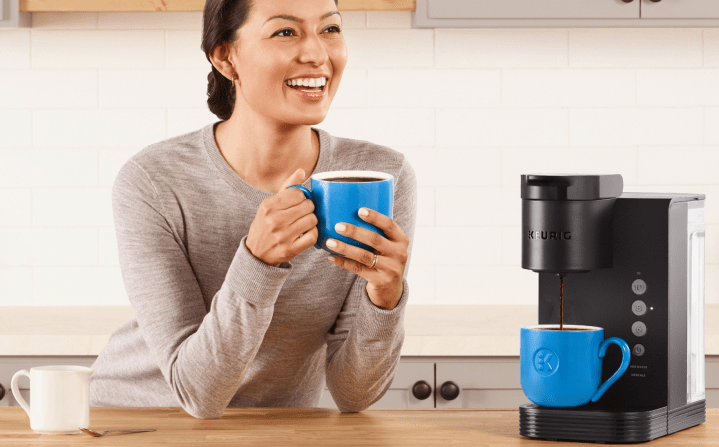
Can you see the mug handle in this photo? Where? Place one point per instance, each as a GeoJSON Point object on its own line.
{"type": "Point", "coordinates": [304, 190]}
{"type": "Point", "coordinates": [626, 356]}
{"type": "Point", "coordinates": [16, 390]}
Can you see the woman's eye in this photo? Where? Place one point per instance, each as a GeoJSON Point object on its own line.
{"type": "Point", "coordinates": [287, 32]}
{"type": "Point", "coordinates": [334, 29]}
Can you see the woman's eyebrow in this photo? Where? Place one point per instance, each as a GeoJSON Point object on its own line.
{"type": "Point", "coordinates": [297, 19]}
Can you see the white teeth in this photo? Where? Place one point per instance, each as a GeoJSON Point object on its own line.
{"type": "Point", "coordinates": [307, 82]}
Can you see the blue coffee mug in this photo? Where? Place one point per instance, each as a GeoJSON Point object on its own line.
{"type": "Point", "coordinates": [564, 368]}
{"type": "Point", "coordinates": [339, 201]}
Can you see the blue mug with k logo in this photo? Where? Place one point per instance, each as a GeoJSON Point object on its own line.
{"type": "Point", "coordinates": [564, 368]}
{"type": "Point", "coordinates": [338, 196]}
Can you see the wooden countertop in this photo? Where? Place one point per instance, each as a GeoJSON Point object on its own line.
{"type": "Point", "coordinates": [187, 5]}
{"type": "Point", "coordinates": [429, 330]}
{"type": "Point", "coordinates": [314, 427]}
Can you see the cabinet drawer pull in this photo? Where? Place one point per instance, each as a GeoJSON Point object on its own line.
{"type": "Point", "coordinates": [449, 390]}
{"type": "Point", "coordinates": [421, 390]}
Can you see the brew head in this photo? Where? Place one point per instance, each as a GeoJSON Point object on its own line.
{"type": "Point", "coordinates": [567, 221]}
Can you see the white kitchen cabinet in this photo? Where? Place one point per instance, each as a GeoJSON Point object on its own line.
{"type": "Point", "coordinates": [680, 9]}
{"type": "Point", "coordinates": [565, 13]}
{"type": "Point", "coordinates": [482, 382]}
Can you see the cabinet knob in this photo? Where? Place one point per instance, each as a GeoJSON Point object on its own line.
{"type": "Point", "coordinates": [449, 390]}
{"type": "Point", "coordinates": [654, 1]}
{"type": "Point", "coordinates": [2, 392]}
{"type": "Point", "coordinates": [421, 390]}
{"type": "Point", "coordinates": [627, 1]}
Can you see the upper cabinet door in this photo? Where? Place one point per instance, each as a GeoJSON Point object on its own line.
{"type": "Point", "coordinates": [536, 9]}
{"type": "Point", "coordinates": [680, 9]}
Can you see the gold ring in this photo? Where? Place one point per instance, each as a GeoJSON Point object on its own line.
{"type": "Point", "coordinates": [374, 261]}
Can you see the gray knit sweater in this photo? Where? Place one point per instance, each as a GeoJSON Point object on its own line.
{"type": "Point", "coordinates": [216, 327]}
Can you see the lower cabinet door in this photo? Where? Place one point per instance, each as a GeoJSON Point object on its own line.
{"type": "Point", "coordinates": [491, 382]}
{"type": "Point", "coordinates": [400, 393]}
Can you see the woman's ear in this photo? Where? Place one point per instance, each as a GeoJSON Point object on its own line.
{"type": "Point", "coordinates": [220, 57]}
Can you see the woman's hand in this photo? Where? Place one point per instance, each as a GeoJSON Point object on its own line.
{"type": "Point", "coordinates": [284, 225]}
{"type": "Point", "coordinates": [384, 280]}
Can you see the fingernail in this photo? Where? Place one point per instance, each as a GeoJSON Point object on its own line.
{"type": "Point", "coordinates": [363, 212]}
{"type": "Point", "coordinates": [340, 228]}
{"type": "Point", "coordinates": [331, 243]}
{"type": "Point", "coordinates": [331, 258]}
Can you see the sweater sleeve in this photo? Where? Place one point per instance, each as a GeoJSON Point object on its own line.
{"type": "Point", "coordinates": [363, 346]}
{"type": "Point", "coordinates": [203, 353]}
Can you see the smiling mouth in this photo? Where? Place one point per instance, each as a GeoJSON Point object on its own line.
{"type": "Point", "coordinates": [307, 85]}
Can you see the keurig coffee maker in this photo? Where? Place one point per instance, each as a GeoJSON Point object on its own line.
{"type": "Point", "coordinates": [633, 264]}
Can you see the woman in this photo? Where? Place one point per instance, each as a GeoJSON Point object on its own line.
{"type": "Point", "coordinates": [233, 306]}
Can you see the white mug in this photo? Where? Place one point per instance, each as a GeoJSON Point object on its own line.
{"type": "Point", "coordinates": [59, 398]}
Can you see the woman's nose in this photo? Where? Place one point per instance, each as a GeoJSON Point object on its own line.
{"type": "Point", "coordinates": [313, 51]}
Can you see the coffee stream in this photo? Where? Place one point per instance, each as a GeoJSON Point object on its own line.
{"type": "Point", "coordinates": [561, 302]}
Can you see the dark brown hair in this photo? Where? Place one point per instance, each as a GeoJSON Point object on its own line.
{"type": "Point", "coordinates": [220, 21]}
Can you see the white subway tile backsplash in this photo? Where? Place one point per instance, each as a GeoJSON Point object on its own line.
{"type": "Point", "coordinates": [389, 19]}
{"type": "Point", "coordinates": [457, 246]}
{"type": "Point", "coordinates": [471, 109]}
{"type": "Point", "coordinates": [108, 255]}
{"type": "Point", "coordinates": [677, 88]}
{"type": "Point", "coordinates": [49, 246]}
{"type": "Point", "coordinates": [500, 48]}
{"type": "Point", "coordinates": [352, 91]}
{"type": "Point", "coordinates": [98, 128]}
{"type": "Point", "coordinates": [15, 286]}
{"type": "Point", "coordinates": [712, 244]}
{"type": "Point", "coordinates": [64, 20]}
{"type": "Point", "coordinates": [72, 207]}
{"type": "Point", "coordinates": [191, 20]}
{"type": "Point", "coordinates": [593, 160]}
{"type": "Point", "coordinates": [711, 47]}
{"type": "Point", "coordinates": [98, 49]}
{"type": "Point", "coordinates": [109, 163]}
{"type": "Point", "coordinates": [512, 242]}
{"type": "Point", "coordinates": [635, 47]}
{"type": "Point", "coordinates": [568, 88]}
{"type": "Point", "coordinates": [14, 48]}
{"type": "Point", "coordinates": [425, 205]}
{"type": "Point", "coordinates": [635, 126]}
{"type": "Point", "coordinates": [433, 88]}
{"type": "Point", "coordinates": [477, 206]}
{"type": "Point", "coordinates": [711, 125]}
{"type": "Point", "coordinates": [16, 206]}
{"type": "Point", "coordinates": [400, 48]}
{"type": "Point", "coordinates": [353, 19]}
{"type": "Point", "coordinates": [678, 165]}
{"type": "Point", "coordinates": [466, 284]}
{"type": "Point", "coordinates": [182, 121]}
{"type": "Point", "coordinates": [389, 127]}
{"type": "Point", "coordinates": [78, 286]}
{"type": "Point", "coordinates": [421, 280]}
{"type": "Point", "coordinates": [15, 128]}
{"type": "Point", "coordinates": [712, 202]}
{"type": "Point", "coordinates": [184, 51]}
{"type": "Point", "coordinates": [24, 168]}
{"type": "Point", "coordinates": [48, 89]}
{"type": "Point", "coordinates": [153, 88]}
{"type": "Point", "coordinates": [502, 127]}
{"type": "Point", "coordinates": [456, 167]}
{"type": "Point", "coordinates": [712, 284]}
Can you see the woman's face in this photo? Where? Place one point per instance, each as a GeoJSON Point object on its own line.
{"type": "Point", "coordinates": [290, 42]}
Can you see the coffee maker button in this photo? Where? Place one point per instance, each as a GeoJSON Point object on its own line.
{"type": "Point", "coordinates": [638, 350]}
{"type": "Point", "coordinates": [639, 308]}
{"type": "Point", "coordinates": [639, 329]}
{"type": "Point", "coordinates": [639, 287]}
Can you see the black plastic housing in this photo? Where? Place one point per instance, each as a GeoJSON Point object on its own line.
{"type": "Point", "coordinates": [567, 221]}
